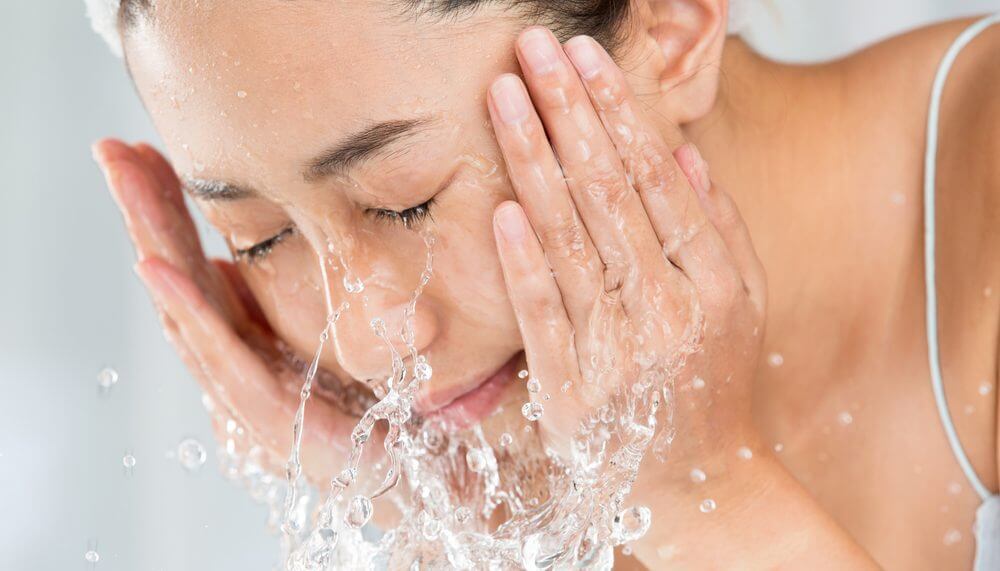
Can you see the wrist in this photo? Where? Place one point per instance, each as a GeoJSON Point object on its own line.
{"type": "Point", "coordinates": [707, 504]}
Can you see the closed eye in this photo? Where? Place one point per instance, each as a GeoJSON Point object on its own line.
{"type": "Point", "coordinates": [260, 250]}
{"type": "Point", "coordinates": [409, 218]}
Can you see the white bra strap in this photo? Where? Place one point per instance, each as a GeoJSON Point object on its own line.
{"type": "Point", "coordinates": [930, 175]}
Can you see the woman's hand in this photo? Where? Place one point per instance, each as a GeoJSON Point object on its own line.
{"type": "Point", "coordinates": [211, 318]}
{"type": "Point", "coordinates": [620, 256]}
{"type": "Point", "coordinates": [626, 265]}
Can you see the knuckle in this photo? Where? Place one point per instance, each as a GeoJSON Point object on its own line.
{"type": "Point", "coordinates": [724, 291]}
{"type": "Point", "coordinates": [726, 213]}
{"type": "Point", "coordinates": [611, 94]}
{"type": "Point", "coordinates": [606, 184]}
{"type": "Point", "coordinates": [563, 237]}
{"type": "Point", "coordinates": [556, 94]}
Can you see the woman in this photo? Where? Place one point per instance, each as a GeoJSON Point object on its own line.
{"type": "Point", "coordinates": [367, 126]}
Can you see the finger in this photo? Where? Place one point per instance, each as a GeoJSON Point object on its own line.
{"type": "Point", "coordinates": [237, 375]}
{"type": "Point", "coordinates": [159, 227]}
{"type": "Point", "coordinates": [542, 319]}
{"type": "Point", "coordinates": [612, 212]}
{"type": "Point", "coordinates": [166, 178]}
{"type": "Point", "coordinates": [231, 273]}
{"type": "Point", "coordinates": [725, 217]}
{"type": "Point", "coordinates": [689, 240]}
{"type": "Point", "coordinates": [541, 191]}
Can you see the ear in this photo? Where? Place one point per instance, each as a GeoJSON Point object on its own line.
{"type": "Point", "coordinates": [681, 43]}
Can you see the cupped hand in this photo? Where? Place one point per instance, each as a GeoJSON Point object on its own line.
{"type": "Point", "coordinates": [211, 318]}
{"type": "Point", "coordinates": [624, 263]}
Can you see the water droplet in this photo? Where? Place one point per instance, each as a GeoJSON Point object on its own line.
{"type": "Point", "coordinates": [845, 418]}
{"type": "Point", "coordinates": [698, 476]}
{"type": "Point", "coordinates": [775, 360]}
{"type": "Point", "coordinates": [91, 556]}
{"type": "Point", "coordinates": [707, 506]}
{"type": "Point", "coordinates": [534, 385]}
{"type": "Point", "coordinates": [476, 460]}
{"type": "Point", "coordinates": [627, 550]}
{"type": "Point", "coordinates": [505, 440]}
{"type": "Point", "coordinates": [987, 291]}
{"type": "Point", "coordinates": [241, 94]}
{"type": "Point", "coordinates": [358, 512]}
{"type": "Point", "coordinates": [422, 370]}
{"type": "Point", "coordinates": [632, 523]}
{"type": "Point", "coordinates": [779, 447]}
{"type": "Point", "coordinates": [522, 374]}
{"type": "Point", "coordinates": [463, 514]}
{"type": "Point", "coordinates": [128, 460]}
{"type": "Point", "coordinates": [566, 386]}
{"type": "Point", "coordinates": [698, 383]}
{"type": "Point", "coordinates": [431, 528]}
{"type": "Point", "coordinates": [353, 285]}
{"type": "Point", "coordinates": [107, 378]}
{"type": "Point", "coordinates": [952, 536]}
{"type": "Point", "coordinates": [532, 410]}
{"type": "Point", "coordinates": [345, 478]}
{"type": "Point", "coordinates": [744, 453]}
{"type": "Point", "coordinates": [191, 454]}
{"type": "Point", "coordinates": [985, 388]}
{"type": "Point", "coordinates": [954, 488]}
{"type": "Point", "coordinates": [433, 438]}
{"type": "Point", "coordinates": [666, 551]}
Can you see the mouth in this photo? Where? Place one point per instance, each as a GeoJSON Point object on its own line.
{"type": "Point", "coordinates": [462, 407]}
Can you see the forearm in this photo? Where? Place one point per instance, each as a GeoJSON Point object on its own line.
{"type": "Point", "coordinates": [763, 519]}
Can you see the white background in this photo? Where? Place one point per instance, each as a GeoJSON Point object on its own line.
{"type": "Point", "coordinates": [70, 304]}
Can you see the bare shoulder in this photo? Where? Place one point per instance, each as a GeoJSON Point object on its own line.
{"type": "Point", "coordinates": [897, 77]}
{"type": "Point", "coordinates": [902, 70]}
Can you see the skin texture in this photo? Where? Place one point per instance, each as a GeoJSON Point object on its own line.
{"type": "Point", "coordinates": [834, 218]}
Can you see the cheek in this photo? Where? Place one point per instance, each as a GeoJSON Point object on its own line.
{"type": "Point", "coordinates": [288, 287]}
{"type": "Point", "coordinates": [467, 268]}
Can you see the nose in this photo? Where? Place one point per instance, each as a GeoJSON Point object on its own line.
{"type": "Point", "coordinates": [360, 351]}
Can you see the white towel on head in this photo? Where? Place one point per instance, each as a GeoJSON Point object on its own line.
{"type": "Point", "coordinates": [103, 16]}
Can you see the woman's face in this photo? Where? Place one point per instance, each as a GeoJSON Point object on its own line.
{"type": "Point", "coordinates": [302, 126]}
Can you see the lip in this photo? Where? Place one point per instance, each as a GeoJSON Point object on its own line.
{"type": "Point", "coordinates": [462, 407]}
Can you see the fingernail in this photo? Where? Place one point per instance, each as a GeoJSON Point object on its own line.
{"type": "Point", "coordinates": [583, 51]}
{"type": "Point", "coordinates": [510, 221]}
{"type": "Point", "coordinates": [539, 49]}
{"type": "Point", "coordinates": [510, 99]}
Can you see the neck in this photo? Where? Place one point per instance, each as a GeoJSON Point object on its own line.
{"type": "Point", "coordinates": [749, 137]}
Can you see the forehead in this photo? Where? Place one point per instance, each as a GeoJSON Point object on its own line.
{"type": "Point", "coordinates": [237, 81]}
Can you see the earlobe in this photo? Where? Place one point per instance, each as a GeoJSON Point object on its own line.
{"type": "Point", "coordinates": [688, 36]}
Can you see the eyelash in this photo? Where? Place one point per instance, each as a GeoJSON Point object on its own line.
{"type": "Point", "coordinates": [409, 218]}
{"type": "Point", "coordinates": [260, 251]}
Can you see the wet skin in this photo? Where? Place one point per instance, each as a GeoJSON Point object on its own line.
{"type": "Point", "coordinates": [473, 322]}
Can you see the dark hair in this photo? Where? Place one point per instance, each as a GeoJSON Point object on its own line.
{"type": "Point", "coordinates": [604, 20]}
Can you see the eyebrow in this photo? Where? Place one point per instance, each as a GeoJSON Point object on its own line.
{"type": "Point", "coordinates": [345, 155]}
{"type": "Point", "coordinates": [362, 146]}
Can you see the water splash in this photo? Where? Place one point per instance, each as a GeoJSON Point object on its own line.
{"type": "Point", "coordinates": [455, 498]}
